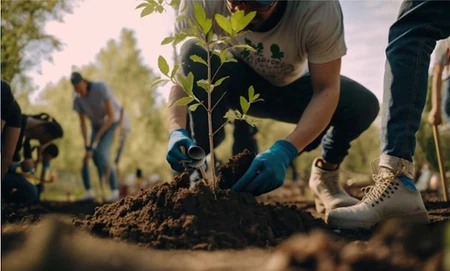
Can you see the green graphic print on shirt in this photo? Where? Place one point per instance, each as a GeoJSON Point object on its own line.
{"type": "Point", "coordinates": [268, 64]}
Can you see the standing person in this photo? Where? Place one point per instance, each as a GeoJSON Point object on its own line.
{"type": "Point", "coordinates": [412, 39]}
{"type": "Point", "coordinates": [440, 63]}
{"type": "Point", "coordinates": [96, 102]}
{"type": "Point", "coordinates": [296, 70]}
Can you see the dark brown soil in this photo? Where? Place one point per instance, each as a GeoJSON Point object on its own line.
{"type": "Point", "coordinates": [175, 215]}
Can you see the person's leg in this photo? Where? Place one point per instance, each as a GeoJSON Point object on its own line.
{"type": "Point", "coordinates": [85, 173]}
{"type": "Point", "coordinates": [412, 39]}
{"type": "Point", "coordinates": [102, 159]}
{"type": "Point", "coordinates": [244, 137]}
{"type": "Point", "coordinates": [123, 139]}
{"type": "Point", "coordinates": [446, 99]}
{"type": "Point", "coordinates": [17, 189]}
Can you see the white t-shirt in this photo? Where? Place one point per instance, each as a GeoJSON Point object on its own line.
{"type": "Point", "coordinates": [308, 31]}
{"type": "Point", "coordinates": [441, 55]}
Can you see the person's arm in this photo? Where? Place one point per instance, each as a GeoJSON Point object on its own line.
{"type": "Point", "coordinates": [105, 126]}
{"type": "Point", "coordinates": [83, 128]}
{"type": "Point", "coordinates": [435, 116]}
{"type": "Point", "coordinates": [317, 115]}
{"type": "Point", "coordinates": [177, 114]}
{"type": "Point", "coordinates": [3, 124]}
{"type": "Point", "coordinates": [11, 137]}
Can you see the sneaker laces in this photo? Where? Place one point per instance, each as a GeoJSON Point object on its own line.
{"type": "Point", "coordinates": [382, 181]}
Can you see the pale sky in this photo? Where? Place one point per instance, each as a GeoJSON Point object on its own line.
{"type": "Point", "coordinates": [94, 22]}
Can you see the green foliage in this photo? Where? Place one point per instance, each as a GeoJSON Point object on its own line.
{"type": "Point", "coordinates": [24, 40]}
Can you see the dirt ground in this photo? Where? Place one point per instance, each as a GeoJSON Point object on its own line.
{"type": "Point", "coordinates": [178, 227]}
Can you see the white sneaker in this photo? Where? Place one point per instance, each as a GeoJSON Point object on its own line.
{"type": "Point", "coordinates": [392, 196]}
{"type": "Point", "coordinates": [327, 190]}
{"type": "Point", "coordinates": [114, 196]}
{"type": "Point", "coordinates": [88, 196]}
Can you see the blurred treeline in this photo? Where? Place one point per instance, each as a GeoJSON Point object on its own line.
{"type": "Point", "coordinates": [120, 64]}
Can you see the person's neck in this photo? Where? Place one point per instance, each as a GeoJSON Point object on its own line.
{"type": "Point", "coordinates": [275, 18]}
{"type": "Point", "coordinates": [32, 123]}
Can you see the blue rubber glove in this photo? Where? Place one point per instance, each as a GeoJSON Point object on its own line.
{"type": "Point", "coordinates": [177, 139]}
{"type": "Point", "coordinates": [268, 169]}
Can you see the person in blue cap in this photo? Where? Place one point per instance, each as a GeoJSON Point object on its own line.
{"type": "Point", "coordinates": [412, 39]}
{"type": "Point", "coordinates": [96, 101]}
{"type": "Point", "coordinates": [295, 67]}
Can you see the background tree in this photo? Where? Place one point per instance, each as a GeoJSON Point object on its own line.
{"type": "Point", "coordinates": [24, 42]}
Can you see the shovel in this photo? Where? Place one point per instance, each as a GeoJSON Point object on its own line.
{"type": "Point", "coordinates": [440, 162]}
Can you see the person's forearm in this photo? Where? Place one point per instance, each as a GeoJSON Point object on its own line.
{"type": "Point", "coordinates": [105, 126]}
{"type": "Point", "coordinates": [6, 162]}
{"type": "Point", "coordinates": [177, 114]}
{"type": "Point", "coordinates": [315, 118]}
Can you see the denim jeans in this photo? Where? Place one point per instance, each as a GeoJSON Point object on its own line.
{"type": "Point", "coordinates": [123, 139]}
{"type": "Point", "coordinates": [101, 157]}
{"type": "Point", "coordinates": [17, 189]}
{"type": "Point", "coordinates": [356, 110]}
{"type": "Point", "coordinates": [446, 99]}
{"type": "Point", "coordinates": [412, 39]}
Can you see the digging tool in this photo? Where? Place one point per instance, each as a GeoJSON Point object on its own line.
{"type": "Point", "coordinates": [440, 162]}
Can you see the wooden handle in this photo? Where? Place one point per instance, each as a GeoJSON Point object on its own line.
{"type": "Point", "coordinates": [441, 164]}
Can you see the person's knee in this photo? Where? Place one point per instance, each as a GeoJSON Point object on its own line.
{"type": "Point", "coordinates": [100, 159]}
{"type": "Point", "coordinates": [17, 189]}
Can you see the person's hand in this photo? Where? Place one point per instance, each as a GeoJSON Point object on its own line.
{"type": "Point", "coordinates": [87, 156]}
{"type": "Point", "coordinates": [27, 165]}
{"type": "Point", "coordinates": [435, 117]}
{"type": "Point", "coordinates": [268, 169]}
{"type": "Point", "coordinates": [175, 156]}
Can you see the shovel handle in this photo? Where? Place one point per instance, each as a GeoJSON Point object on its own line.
{"type": "Point", "coordinates": [440, 162]}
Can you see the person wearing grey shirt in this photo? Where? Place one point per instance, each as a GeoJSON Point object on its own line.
{"type": "Point", "coordinates": [96, 102]}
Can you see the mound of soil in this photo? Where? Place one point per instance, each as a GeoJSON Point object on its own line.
{"type": "Point", "coordinates": [176, 215]}
{"type": "Point", "coordinates": [395, 246]}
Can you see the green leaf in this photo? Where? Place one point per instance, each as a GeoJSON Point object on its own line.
{"type": "Point", "coordinates": [245, 46]}
{"type": "Point", "coordinates": [200, 16]}
{"type": "Point", "coordinates": [148, 10]}
{"type": "Point", "coordinates": [231, 59]}
{"type": "Point", "coordinates": [181, 80]}
{"type": "Point", "coordinates": [235, 19]}
{"type": "Point", "coordinates": [220, 81]}
{"type": "Point", "coordinates": [190, 83]}
{"type": "Point", "coordinates": [179, 38]}
{"type": "Point", "coordinates": [159, 82]}
{"type": "Point", "coordinates": [193, 107]}
{"type": "Point", "coordinates": [198, 59]}
{"type": "Point", "coordinates": [141, 5]}
{"type": "Point", "coordinates": [244, 21]}
{"type": "Point", "coordinates": [182, 101]}
{"type": "Point", "coordinates": [204, 84]}
{"type": "Point", "coordinates": [233, 115]}
{"type": "Point", "coordinates": [258, 100]}
{"type": "Point", "coordinates": [251, 93]}
{"type": "Point", "coordinates": [175, 70]}
{"type": "Point", "coordinates": [223, 22]}
{"type": "Point", "coordinates": [160, 9]}
{"type": "Point", "coordinates": [167, 40]}
{"type": "Point", "coordinates": [163, 66]}
{"type": "Point", "coordinates": [244, 105]}
{"type": "Point", "coordinates": [255, 97]}
{"type": "Point", "coordinates": [223, 55]}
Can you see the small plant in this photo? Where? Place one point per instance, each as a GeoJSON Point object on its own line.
{"type": "Point", "coordinates": [202, 30]}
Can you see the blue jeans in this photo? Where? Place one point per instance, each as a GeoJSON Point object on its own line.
{"type": "Point", "coordinates": [17, 189]}
{"type": "Point", "coordinates": [123, 139]}
{"type": "Point", "coordinates": [356, 110]}
{"type": "Point", "coordinates": [412, 39]}
{"type": "Point", "coordinates": [446, 99]}
{"type": "Point", "coordinates": [101, 157]}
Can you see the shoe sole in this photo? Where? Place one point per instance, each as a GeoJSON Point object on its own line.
{"type": "Point", "coordinates": [416, 218]}
{"type": "Point", "coordinates": [320, 207]}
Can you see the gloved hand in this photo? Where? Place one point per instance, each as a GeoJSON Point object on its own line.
{"type": "Point", "coordinates": [268, 169]}
{"type": "Point", "coordinates": [177, 139]}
